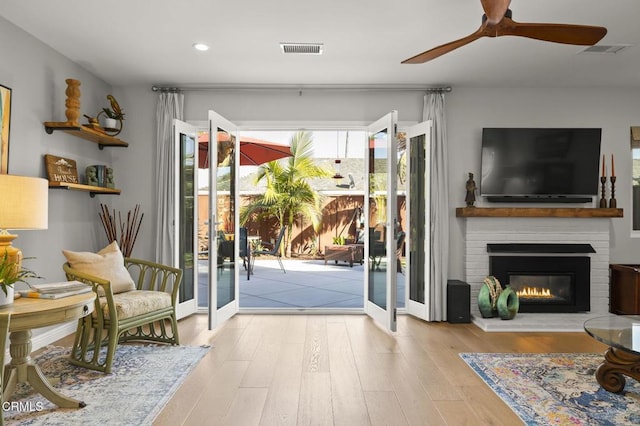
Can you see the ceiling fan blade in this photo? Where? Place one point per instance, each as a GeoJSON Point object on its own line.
{"type": "Point", "coordinates": [583, 35]}
{"type": "Point", "coordinates": [495, 9]}
{"type": "Point", "coordinates": [445, 48]}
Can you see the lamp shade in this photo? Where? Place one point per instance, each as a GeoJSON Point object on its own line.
{"type": "Point", "coordinates": [24, 202]}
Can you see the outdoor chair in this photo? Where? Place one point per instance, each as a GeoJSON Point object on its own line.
{"type": "Point", "coordinates": [379, 250]}
{"type": "Point", "coordinates": [226, 250]}
{"type": "Point", "coordinates": [245, 253]}
{"type": "Point", "coordinates": [273, 251]}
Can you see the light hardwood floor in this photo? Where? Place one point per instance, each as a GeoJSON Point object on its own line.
{"type": "Point", "coordinates": [345, 370]}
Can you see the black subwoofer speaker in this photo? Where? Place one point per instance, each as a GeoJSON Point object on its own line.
{"type": "Point", "coordinates": [458, 301]}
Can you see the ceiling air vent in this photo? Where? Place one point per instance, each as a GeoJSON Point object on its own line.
{"type": "Point", "coordinates": [617, 48]}
{"type": "Point", "coordinates": [302, 48]}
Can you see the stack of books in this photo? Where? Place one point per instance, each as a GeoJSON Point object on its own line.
{"type": "Point", "coordinates": [55, 290]}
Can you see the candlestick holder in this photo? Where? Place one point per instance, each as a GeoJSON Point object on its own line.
{"type": "Point", "coordinates": [603, 201]}
{"type": "Point", "coordinates": [613, 204]}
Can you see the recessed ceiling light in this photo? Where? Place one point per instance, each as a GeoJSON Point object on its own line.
{"type": "Point", "coordinates": [200, 46]}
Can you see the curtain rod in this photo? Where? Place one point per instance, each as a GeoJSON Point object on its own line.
{"type": "Point", "coordinates": [298, 88]}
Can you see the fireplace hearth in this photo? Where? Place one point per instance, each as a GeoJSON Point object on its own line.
{"type": "Point", "coordinates": [546, 284]}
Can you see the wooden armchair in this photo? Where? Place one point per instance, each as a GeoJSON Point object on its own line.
{"type": "Point", "coordinates": [146, 313]}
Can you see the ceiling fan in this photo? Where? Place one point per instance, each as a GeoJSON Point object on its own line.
{"type": "Point", "coordinates": [497, 22]}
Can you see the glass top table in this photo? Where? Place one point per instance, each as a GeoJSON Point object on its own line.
{"type": "Point", "coordinates": [622, 334]}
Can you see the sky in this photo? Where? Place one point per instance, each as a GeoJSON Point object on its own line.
{"type": "Point", "coordinates": [327, 143]}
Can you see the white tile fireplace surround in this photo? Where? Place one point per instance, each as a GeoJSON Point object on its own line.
{"type": "Point", "coordinates": [480, 231]}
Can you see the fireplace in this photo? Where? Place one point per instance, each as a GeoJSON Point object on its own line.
{"type": "Point", "coordinates": [550, 283]}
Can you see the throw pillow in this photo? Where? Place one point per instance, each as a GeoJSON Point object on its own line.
{"type": "Point", "coordinates": [107, 264]}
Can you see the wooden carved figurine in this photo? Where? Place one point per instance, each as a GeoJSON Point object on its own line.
{"type": "Point", "coordinates": [73, 102]}
{"type": "Point", "coordinates": [470, 198]}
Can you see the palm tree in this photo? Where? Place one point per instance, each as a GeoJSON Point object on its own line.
{"type": "Point", "coordinates": [288, 193]}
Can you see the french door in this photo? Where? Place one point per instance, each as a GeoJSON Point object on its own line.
{"type": "Point", "coordinates": [208, 247]}
{"type": "Point", "coordinates": [418, 214]}
{"type": "Point", "coordinates": [223, 220]}
{"type": "Point", "coordinates": [185, 208]}
{"type": "Point", "coordinates": [382, 213]}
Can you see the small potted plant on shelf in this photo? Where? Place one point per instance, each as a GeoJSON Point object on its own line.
{"type": "Point", "coordinates": [11, 273]}
{"type": "Point", "coordinates": [114, 116]}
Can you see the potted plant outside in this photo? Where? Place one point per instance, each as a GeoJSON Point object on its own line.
{"type": "Point", "coordinates": [339, 240]}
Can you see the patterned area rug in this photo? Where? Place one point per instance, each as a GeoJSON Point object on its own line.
{"type": "Point", "coordinates": [142, 380]}
{"type": "Point", "coordinates": [556, 389]}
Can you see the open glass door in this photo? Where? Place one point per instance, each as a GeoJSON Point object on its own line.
{"type": "Point", "coordinates": [418, 206]}
{"type": "Point", "coordinates": [223, 232]}
{"type": "Point", "coordinates": [186, 206]}
{"type": "Point", "coordinates": [381, 283]}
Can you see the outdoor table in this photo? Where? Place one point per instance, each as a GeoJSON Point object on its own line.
{"type": "Point", "coordinates": [350, 253]}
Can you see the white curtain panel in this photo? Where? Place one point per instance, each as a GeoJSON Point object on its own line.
{"type": "Point", "coordinates": [434, 110]}
{"type": "Point", "coordinates": [170, 106]}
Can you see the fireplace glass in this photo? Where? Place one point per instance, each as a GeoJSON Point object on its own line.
{"type": "Point", "coordinates": [546, 283]}
{"type": "Point", "coordinates": [542, 288]}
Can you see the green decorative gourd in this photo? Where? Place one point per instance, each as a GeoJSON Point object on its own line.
{"type": "Point", "coordinates": [488, 297]}
{"type": "Point", "coordinates": [508, 303]}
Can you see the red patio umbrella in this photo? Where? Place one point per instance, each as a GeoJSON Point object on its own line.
{"type": "Point", "coordinates": [253, 152]}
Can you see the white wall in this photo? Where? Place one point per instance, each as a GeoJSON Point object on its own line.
{"type": "Point", "coordinates": [36, 74]}
{"type": "Point", "coordinates": [311, 105]}
{"type": "Point", "coordinates": [469, 110]}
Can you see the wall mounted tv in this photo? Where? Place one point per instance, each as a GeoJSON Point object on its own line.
{"type": "Point", "coordinates": [540, 164]}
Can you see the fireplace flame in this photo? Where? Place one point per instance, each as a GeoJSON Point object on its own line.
{"type": "Point", "coordinates": [535, 293]}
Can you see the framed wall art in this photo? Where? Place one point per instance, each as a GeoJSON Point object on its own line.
{"type": "Point", "coordinates": [5, 120]}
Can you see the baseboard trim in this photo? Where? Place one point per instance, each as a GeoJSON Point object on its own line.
{"type": "Point", "coordinates": [50, 336]}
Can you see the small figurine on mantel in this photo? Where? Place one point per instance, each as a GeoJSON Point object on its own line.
{"type": "Point", "coordinates": [471, 191]}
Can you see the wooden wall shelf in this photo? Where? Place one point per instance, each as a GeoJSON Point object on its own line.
{"type": "Point", "coordinates": [95, 136]}
{"type": "Point", "coordinates": [537, 212]}
{"type": "Point", "coordinates": [92, 190]}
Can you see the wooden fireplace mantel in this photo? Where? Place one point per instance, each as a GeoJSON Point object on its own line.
{"type": "Point", "coordinates": [537, 212]}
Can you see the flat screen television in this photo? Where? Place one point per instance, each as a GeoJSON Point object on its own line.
{"type": "Point", "coordinates": [540, 164]}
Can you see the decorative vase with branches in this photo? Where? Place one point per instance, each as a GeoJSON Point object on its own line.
{"type": "Point", "coordinates": [124, 232]}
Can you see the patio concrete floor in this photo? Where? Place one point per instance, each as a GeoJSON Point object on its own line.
{"type": "Point", "coordinates": [307, 284]}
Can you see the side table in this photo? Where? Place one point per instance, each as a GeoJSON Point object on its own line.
{"type": "Point", "coordinates": [622, 358]}
{"type": "Point", "coordinates": [27, 314]}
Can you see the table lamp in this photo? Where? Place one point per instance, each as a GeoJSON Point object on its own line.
{"type": "Point", "coordinates": [24, 204]}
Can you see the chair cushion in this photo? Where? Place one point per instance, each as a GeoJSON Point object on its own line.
{"type": "Point", "coordinates": [107, 264]}
{"type": "Point", "coordinates": [137, 302]}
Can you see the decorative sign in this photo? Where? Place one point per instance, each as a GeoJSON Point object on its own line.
{"type": "Point", "coordinates": [61, 169]}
